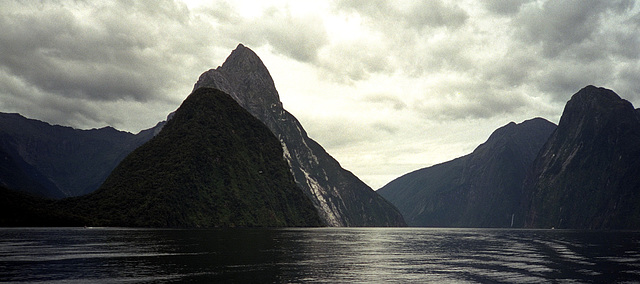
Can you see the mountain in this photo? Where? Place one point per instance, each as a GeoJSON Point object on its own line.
{"type": "Point", "coordinates": [339, 196]}
{"type": "Point", "coordinates": [21, 209]}
{"type": "Point", "coordinates": [212, 165]}
{"type": "Point", "coordinates": [17, 174]}
{"type": "Point", "coordinates": [587, 175]}
{"type": "Point", "coordinates": [482, 189]}
{"type": "Point", "coordinates": [56, 161]}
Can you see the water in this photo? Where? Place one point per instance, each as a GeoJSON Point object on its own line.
{"type": "Point", "coordinates": [325, 255]}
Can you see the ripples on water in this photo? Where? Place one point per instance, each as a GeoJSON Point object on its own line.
{"type": "Point", "coordinates": [330, 255]}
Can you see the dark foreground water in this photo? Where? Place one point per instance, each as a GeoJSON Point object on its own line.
{"type": "Point", "coordinates": [407, 255]}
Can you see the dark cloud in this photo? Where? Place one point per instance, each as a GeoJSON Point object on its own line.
{"type": "Point", "coordinates": [470, 99]}
{"type": "Point", "coordinates": [626, 43]}
{"type": "Point", "coordinates": [504, 7]}
{"type": "Point", "coordinates": [492, 64]}
{"type": "Point", "coordinates": [17, 94]}
{"type": "Point", "coordinates": [129, 51]}
{"type": "Point", "coordinates": [391, 38]}
{"type": "Point", "coordinates": [355, 60]}
{"type": "Point", "coordinates": [627, 83]}
{"type": "Point", "coordinates": [412, 14]}
{"type": "Point", "coordinates": [562, 24]}
{"type": "Point", "coordinates": [514, 68]}
{"type": "Point", "coordinates": [72, 56]}
{"type": "Point", "coordinates": [297, 37]}
{"type": "Point", "coordinates": [387, 128]}
{"type": "Point", "coordinates": [563, 80]}
{"type": "Point", "coordinates": [95, 54]}
{"type": "Point", "coordinates": [428, 13]}
{"type": "Point", "coordinates": [572, 44]}
{"type": "Point", "coordinates": [386, 100]}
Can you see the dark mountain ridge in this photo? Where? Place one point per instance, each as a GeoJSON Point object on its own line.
{"type": "Point", "coordinates": [212, 165]}
{"type": "Point", "coordinates": [21, 209]}
{"type": "Point", "coordinates": [339, 196]}
{"type": "Point", "coordinates": [481, 189]}
{"type": "Point", "coordinates": [587, 175]}
{"type": "Point", "coordinates": [58, 161]}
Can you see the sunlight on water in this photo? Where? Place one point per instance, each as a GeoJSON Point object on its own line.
{"type": "Point", "coordinates": [318, 255]}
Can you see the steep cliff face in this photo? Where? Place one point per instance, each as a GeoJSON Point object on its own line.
{"type": "Point", "coordinates": [482, 189]}
{"type": "Point", "coordinates": [212, 165]}
{"type": "Point", "coordinates": [339, 196]}
{"type": "Point", "coordinates": [588, 173]}
{"type": "Point", "coordinates": [56, 161]}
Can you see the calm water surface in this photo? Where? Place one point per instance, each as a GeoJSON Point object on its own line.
{"type": "Point", "coordinates": [363, 255]}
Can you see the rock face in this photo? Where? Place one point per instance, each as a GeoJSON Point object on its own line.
{"type": "Point", "coordinates": [339, 196]}
{"type": "Point", "coordinates": [587, 176]}
{"type": "Point", "coordinates": [56, 161]}
{"type": "Point", "coordinates": [482, 189]}
{"type": "Point", "coordinates": [212, 165]}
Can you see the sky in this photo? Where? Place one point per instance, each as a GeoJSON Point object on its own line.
{"type": "Point", "coordinates": [386, 87]}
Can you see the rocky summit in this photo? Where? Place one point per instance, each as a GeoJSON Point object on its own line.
{"type": "Point", "coordinates": [587, 176]}
{"type": "Point", "coordinates": [339, 196]}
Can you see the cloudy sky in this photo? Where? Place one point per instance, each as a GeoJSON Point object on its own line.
{"type": "Point", "coordinates": [386, 87]}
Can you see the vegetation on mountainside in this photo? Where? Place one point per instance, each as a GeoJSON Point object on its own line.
{"type": "Point", "coordinates": [18, 209]}
{"type": "Point", "coordinates": [213, 165]}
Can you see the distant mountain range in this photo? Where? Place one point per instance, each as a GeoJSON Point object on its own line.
{"type": "Point", "coordinates": [56, 161]}
{"type": "Point", "coordinates": [482, 189]}
{"type": "Point", "coordinates": [584, 174]}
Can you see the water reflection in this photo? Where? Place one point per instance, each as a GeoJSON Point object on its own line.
{"type": "Point", "coordinates": [361, 255]}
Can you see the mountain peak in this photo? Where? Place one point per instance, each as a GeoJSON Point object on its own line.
{"type": "Point", "coordinates": [213, 165]}
{"type": "Point", "coordinates": [339, 196]}
{"type": "Point", "coordinates": [521, 133]}
{"type": "Point", "coordinates": [594, 107]}
{"type": "Point", "coordinates": [594, 98]}
{"type": "Point", "coordinates": [243, 58]}
{"type": "Point", "coordinates": [586, 175]}
{"type": "Point", "coordinates": [245, 78]}
{"type": "Point", "coordinates": [591, 90]}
